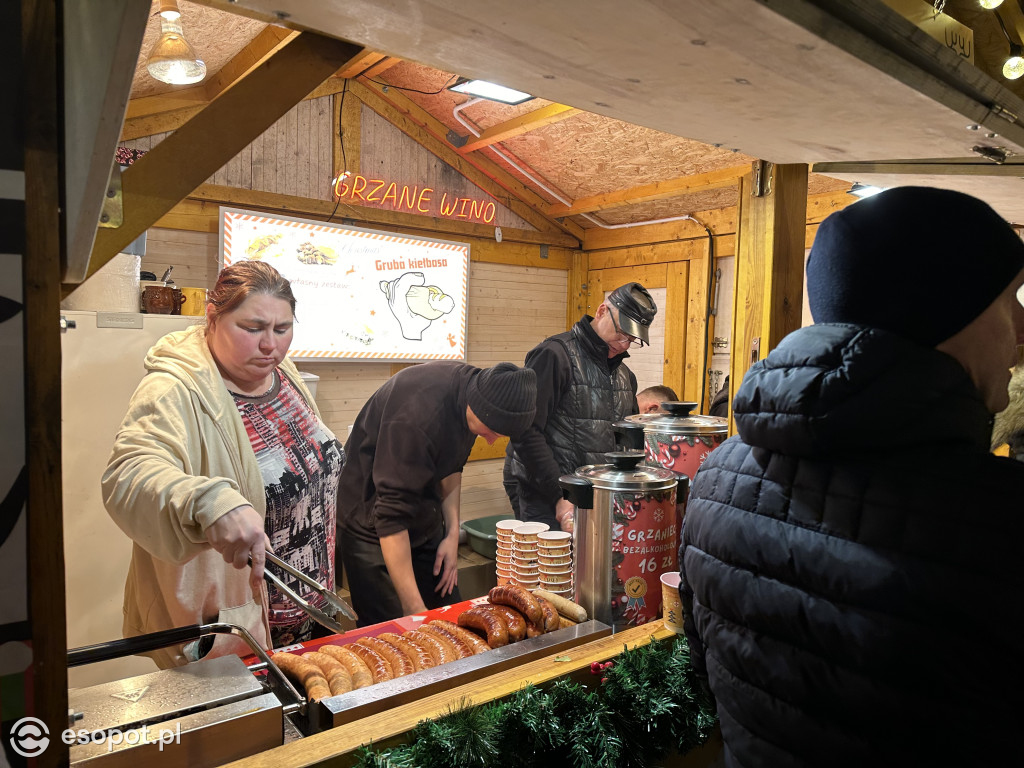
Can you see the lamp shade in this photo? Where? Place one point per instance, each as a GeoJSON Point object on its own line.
{"type": "Point", "coordinates": [172, 60]}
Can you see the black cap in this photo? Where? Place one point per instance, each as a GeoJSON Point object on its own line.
{"type": "Point", "coordinates": [636, 309]}
{"type": "Point", "coordinates": [504, 398]}
{"type": "Point", "coordinates": [919, 262]}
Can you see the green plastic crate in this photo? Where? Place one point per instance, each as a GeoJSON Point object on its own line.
{"type": "Point", "coordinates": [482, 535]}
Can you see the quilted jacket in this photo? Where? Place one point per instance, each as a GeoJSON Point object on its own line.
{"type": "Point", "coordinates": [852, 562]}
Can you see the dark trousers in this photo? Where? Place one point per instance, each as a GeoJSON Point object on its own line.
{"type": "Point", "coordinates": [373, 594]}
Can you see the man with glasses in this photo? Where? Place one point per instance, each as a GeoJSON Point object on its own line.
{"type": "Point", "coordinates": [583, 386]}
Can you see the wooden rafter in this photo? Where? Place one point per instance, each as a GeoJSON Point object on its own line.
{"type": "Point", "coordinates": [428, 131]}
{"type": "Point", "coordinates": [725, 177]}
{"type": "Point", "coordinates": [517, 126]}
{"type": "Point", "coordinates": [185, 159]}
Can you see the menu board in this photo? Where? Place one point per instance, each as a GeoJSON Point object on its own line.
{"type": "Point", "coordinates": [359, 293]}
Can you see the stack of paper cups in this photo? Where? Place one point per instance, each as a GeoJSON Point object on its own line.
{"type": "Point", "coordinates": [525, 568]}
{"type": "Point", "coordinates": [554, 562]}
{"type": "Point", "coordinates": [503, 564]}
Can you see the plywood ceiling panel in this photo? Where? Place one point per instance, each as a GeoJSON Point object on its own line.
{"type": "Point", "coordinates": [731, 72]}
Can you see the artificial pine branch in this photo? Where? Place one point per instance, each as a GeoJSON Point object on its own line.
{"type": "Point", "coordinates": [650, 704]}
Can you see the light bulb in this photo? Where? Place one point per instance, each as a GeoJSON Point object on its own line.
{"type": "Point", "coordinates": [1013, 67]}
{"type": "Point", "coordinates": [990, 4]}
{"type": "Point", "coordinates": [172, 60]}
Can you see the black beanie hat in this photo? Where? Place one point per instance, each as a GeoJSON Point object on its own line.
{"type": "Point", "coordinates": [504, 398]}
{"type": "Point", "coordinates": [917, 261]}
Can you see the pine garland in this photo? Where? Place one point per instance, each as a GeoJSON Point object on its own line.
{"type": "Point", "coordinates": [649, 704]}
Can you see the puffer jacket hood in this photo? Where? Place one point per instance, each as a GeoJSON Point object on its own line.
{"type": "Point", "coordinates": [813, 395]}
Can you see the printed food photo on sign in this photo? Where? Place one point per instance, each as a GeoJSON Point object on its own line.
{"type": "Point", "coordinates": [360, 293]}
{"type": "Point", "coordinates": [415, 305]}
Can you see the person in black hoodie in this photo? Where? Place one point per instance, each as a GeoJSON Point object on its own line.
{"type": "Point", "coordinates": [398, 497]}
{"type": "Point", "coordinates": [851, 560]}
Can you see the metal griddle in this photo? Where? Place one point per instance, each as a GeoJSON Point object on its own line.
{"type": "Point", "coordinates": [215, 708]}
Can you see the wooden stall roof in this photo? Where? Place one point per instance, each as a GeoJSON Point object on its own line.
{"type": "Point", "coordinates": [650, 111]}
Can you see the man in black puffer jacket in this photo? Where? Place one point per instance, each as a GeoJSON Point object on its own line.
{"type": "Point", "coordinates": [851, 561]}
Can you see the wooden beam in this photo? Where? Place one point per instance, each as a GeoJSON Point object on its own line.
{"type": "Point", "coordinates": [552, 113]}
{"type": "Point", "coordinates": [45, 692]}
{"type": "Point", "coordinates": [720, 221]}
{"type": "Point", "coordinates": [922, 167]}
{"type": "Point", "coordinates": [576, 303]}
{"type": "Point", "coordinates": [200, 213]}
{"type": "Point", "coordinates": [659, 190]}
{"type": "Point", "coordinates": [768, 292]}
{"type": "Point", "coordinates": [181, 162]}
{"type": "Point", "coordinates": [380, 67]}
{"type": "Point", "coordinates": [359, 64]}
{"type": "Point", "coordinates": [429, 132]}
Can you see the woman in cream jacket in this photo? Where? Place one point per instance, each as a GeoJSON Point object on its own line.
{"type": "Point", "coordinates": [192, 469]}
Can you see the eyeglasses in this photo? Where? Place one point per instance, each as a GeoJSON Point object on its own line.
{"type": "Point", "coordinates": [633, 340]}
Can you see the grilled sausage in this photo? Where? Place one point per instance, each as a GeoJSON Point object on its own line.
{"type": "Point", "coordinates": [462, 650]}
{"type": "Point", "coordinates": [469, 638]}
{"type": "Point", "coordinates": [361, 675]}
{"type": "Point", "coordinates": [532, 630]}
{"type": "Point", "coordinates": [439, 648]}
{"type": "Point", "coordinates": [306, 673]}
{"type": "Point", "coordinates": [401, 665]}
{"type": "Point", "coordinates": [550, 614]}
{"type": "Point", "coordinates": [337, 675]}
{"type": "Point", "coordinates": [513, 619]}
{"type": "Point", "coordinates": [380, 667]}
{"type": "Point", "coordinates": [420, 656]}
{"type": "Point", "coordinates": [518, 598]}
{"type": "Point", "coordinates": [566, 608]}
{"type": "Point", "coordinates": [564, 623]}
{"type": "Point", "coordinates": [490, 623]}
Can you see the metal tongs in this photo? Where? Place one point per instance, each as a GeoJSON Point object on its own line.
{"type": "Point", "coordinates": [335, 603]}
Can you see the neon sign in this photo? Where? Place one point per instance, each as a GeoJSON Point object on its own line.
{"type": "Point", "coordinates": [414, 199]}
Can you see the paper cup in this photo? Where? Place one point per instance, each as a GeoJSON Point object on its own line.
{"type": "Point", "coordinates": [554, 559]}
{"type": "Point", "coordinates": [672, 606]}
{"type": "Point", "coordinates": [528, 531]}
{"type": "Point", "coordinates": [505, 527]}
{"type": "Point", "coordinates": [554, 538]}
{"type": "Point", "coordinates": [553, 550]}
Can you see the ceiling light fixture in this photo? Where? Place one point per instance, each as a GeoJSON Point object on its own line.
{"type": "Point", "coordinates": [491, 91]}
{"type": "Point", "coordinates": [990, 4]}
{"type": "Point", "coordinates": [172, 60]}
{"type": "Point", "coordinates": [1013, 67]}
{"type": "Point", "coordinates": [864, 190]}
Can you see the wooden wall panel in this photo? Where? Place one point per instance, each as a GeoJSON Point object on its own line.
{"type": "Point", "coordinates": [293, 156]}
{"type": "Point", "coordinates": [387, 153]}
{"type": "Point", "coordinates": [193, 255]}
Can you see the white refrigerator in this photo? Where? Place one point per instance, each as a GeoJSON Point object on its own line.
{"type": "Point", "coordinates": [102, 363]}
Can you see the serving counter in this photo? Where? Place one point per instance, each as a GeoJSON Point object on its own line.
{"type": "Point", "coordinates": [390, 725]}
